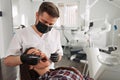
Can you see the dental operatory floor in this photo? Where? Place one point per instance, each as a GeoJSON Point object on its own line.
{"type": "Point", "coordinates": [66, 62]}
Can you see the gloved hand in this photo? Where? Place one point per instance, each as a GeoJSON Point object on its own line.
{"type": "Point", "coordinates": [30, 59]}
{"type": "Point", "coordinates": [54, 57]}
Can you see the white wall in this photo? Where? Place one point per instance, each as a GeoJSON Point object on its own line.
{"type": "Point", "coordinates": [6, 25]}
{"type": "Point", "coordinates": [25, 10]}
{"type": "Point", "coordinates": [6, 33]}
{"type": "Point", "coordinates": [1, 34]}
{"type": "Point", "coordinates": [35, 5]}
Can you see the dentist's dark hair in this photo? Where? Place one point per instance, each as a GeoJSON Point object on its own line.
{"type": "Point", "coordinates": [50, 8]}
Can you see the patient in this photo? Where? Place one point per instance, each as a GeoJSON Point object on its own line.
{"type": "Point", "coordinates": [41, 71]}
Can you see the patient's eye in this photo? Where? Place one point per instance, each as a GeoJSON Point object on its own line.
{"type": "Point", "coordinates": [33, 52]}
{"type": "Point", "coordinates": [39, 50]}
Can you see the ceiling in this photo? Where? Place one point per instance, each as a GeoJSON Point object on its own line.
{"type": "Point", "coordinates": [113, 2]}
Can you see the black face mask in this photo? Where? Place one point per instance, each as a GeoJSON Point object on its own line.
{"type": "Point", "coordinates": [43, 28]}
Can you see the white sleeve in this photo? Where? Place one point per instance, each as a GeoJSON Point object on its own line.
{"type": "Point", "coordinates": [14, 46]}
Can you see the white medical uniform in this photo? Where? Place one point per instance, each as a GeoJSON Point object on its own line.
{"type": "Point", "coordinates": [27, 37]}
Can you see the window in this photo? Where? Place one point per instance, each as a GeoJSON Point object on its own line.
{"type": "Point", "coordinates": [68, 15]}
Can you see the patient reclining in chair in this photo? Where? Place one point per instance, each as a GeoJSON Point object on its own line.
{"type": "Point", "coordinates": [41, 71]}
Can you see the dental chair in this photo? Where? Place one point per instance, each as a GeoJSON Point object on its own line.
{"type": "Point", "coordinates": [76, 53]}
{"type": "Point", "coordinates": [75, 50]}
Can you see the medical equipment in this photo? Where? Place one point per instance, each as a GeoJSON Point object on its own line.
{"type": "Point", "coordinates": [71, 36]}
{"type": "Point", "coordinates": [103, 28]}
{"type": "Point", "coordinates": [86, 15]}
{"type": "Point", "coordinates": [115, 30]}
{"type": "Point", "coordinates": [110, 49]}
{"type": "Point", "coordinates": [108, 59]}
{"type": "Point", "coordinates": [99, 27]}
{"type": "Point", "coordinates": [101, 68]}
{"type": "Point", "coordinates": [75, 48]}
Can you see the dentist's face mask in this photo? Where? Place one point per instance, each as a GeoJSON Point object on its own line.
{"type": "Point", "coordinates": [43, 28]}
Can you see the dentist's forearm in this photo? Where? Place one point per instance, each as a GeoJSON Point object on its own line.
{"type": "Point", "coordinates": [12, 61]}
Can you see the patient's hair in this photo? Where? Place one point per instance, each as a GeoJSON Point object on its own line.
{"type": "Point", "coordinates": [25, 72]}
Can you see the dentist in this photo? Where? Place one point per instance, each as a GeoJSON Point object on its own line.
{"type": "Point", "coordinates": [41, 35]}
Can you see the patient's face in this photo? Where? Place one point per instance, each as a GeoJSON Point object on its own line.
{"type": "Point", "coordinates": [44, 62]}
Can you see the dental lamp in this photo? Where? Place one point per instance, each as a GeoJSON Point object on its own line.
{"type": "Point", "coordinates": [106, 27]}
{"type": "Point", "coordinates": [98, 27]}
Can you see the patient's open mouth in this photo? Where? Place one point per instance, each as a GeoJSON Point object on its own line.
{"type": "Point", "coordinates": [44, 59]}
